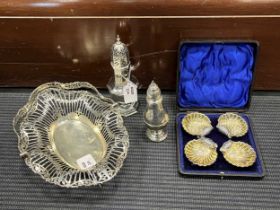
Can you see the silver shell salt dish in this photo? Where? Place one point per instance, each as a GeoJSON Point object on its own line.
{"type": "Point", "coordinates": [232, 125]}
{"type": "Point", "coordinates": [71, 135]}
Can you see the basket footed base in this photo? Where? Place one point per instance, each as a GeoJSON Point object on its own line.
{"type": "Point", "coordinates": [156, 135]}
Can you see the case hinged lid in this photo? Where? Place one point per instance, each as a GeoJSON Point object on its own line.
{"type": "Point", "coordinates": [215, 75]}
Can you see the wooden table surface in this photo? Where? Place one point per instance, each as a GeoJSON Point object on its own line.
{"type": "Point", "coordinates": [70, 40]}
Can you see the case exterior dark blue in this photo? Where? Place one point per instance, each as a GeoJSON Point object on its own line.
{"type": "Point", "coordinates": [221, 167]}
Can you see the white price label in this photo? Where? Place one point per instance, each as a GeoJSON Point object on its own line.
{"type": "Point", "coordinates": [86, 162]}
{"type": "Point", "coordinates": [130, 93]}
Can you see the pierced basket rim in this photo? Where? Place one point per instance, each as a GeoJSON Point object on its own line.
{"type": "Point", "coordinates": [23, 112]}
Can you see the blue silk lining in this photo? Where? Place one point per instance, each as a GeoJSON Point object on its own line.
{"type": "Point", "coordinates": [215, 75]}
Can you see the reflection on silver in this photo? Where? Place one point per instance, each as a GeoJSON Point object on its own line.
{"type": "Point", "coordinates": [238, 153]}
{"type": "Point", "coordinates": [73, 136]}
{"type": "Point", "coordinates": [232, 125]}
{"type": "Point", "coordinates": [155, 117]}
{"type": "Point", "coordinates": [197, 124]}
{"type": "Point", "coordinates": [64, 122]}
{"type": "Point", "coordinates": [122, 75]}
{"type": "Point", "coordinates": [201, 152]}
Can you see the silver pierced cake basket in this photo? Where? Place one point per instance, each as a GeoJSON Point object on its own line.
{"type": "Point", "coordinates": [71, 135]}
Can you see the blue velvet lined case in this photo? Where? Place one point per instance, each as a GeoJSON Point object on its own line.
{"type": "Point", "coordinates": [216, 77]}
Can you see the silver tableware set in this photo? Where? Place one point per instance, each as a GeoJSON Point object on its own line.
{"type": "Point", "coordinates": [72, 136]}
